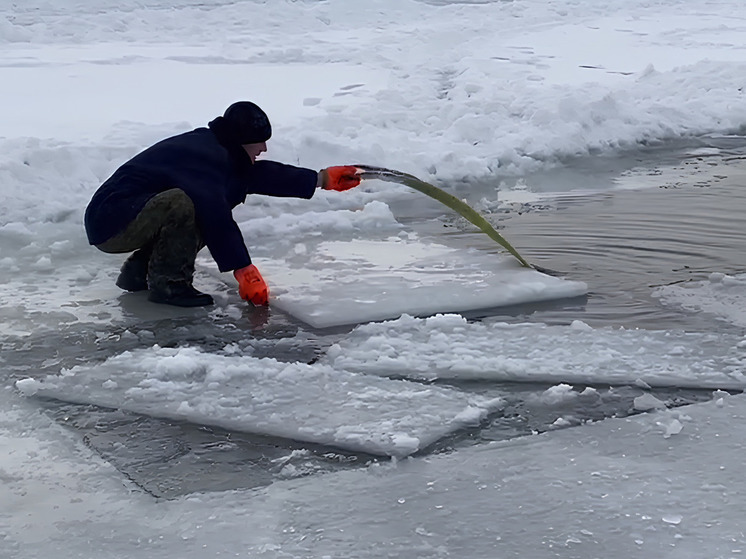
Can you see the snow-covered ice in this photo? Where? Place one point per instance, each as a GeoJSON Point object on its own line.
{"type": "Point", "coordinates": [456, 93]}
{"type": "Point", "coordinates": [449, 347]}
{"type": "Point", "coordinates": [313, 403]}
{"type": "Point", "coordinates": [723, 296]}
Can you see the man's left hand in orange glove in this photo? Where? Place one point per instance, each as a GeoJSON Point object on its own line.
{"type": "Point", "coordinates": [251, 285]}
{"type": "Point", "coordinates": [339, 178]}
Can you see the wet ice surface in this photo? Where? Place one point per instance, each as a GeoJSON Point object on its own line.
{"type": "Point", "coordinates": [622, 245]}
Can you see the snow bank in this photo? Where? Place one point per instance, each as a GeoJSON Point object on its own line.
{"type": "Point", "coordinates": [463, 96]}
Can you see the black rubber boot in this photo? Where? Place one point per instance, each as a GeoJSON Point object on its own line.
{"type": "Point", "coordinates": [179, 294]}
{"type": "Point", "coordinates": [134, 273]}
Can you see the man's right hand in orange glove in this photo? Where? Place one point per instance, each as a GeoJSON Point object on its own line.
{"type": "Point", "coordinates": [340, 178]}
{"type": "Point", "coordinates": [251, 285]}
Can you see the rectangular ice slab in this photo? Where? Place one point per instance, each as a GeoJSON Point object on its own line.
{"type": "Point", "coordinates": [311, 403]}
{"type": "Point", "coordinates": [357, 281]}
{"type": "Point", "coordinates": [450, 347]}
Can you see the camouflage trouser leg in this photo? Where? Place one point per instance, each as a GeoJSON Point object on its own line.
{"type": "Point", "coordinates": [165, 233]}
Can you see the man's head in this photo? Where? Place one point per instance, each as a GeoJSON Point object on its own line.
{"type": "Point", "coordinates": [249, 125]}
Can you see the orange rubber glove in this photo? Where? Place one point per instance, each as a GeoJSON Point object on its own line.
{"type": "Point", "coordinates": [251, 285]}
{"type": "Point", "coordinates": [340, 178]}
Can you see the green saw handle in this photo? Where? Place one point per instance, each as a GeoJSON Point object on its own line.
{"type": "Point", "coordinates": [457, 205]}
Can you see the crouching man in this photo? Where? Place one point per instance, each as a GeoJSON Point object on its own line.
{"type": "Point", "coordinates": [177, 196]}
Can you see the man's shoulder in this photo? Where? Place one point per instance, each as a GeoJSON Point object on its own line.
{"type": "Point", "coordinates": [193, 142]}
{"type": "Point", "coordinates": [197, 136]}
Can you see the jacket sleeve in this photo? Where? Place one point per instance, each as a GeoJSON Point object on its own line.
{"type": "Point", "coordinates": [214, 210]}
{"type": "Point", "coordinates": [214, 215]}
{"type": "Point", "coordinates": [220, 232]}
{"type": "Point", "coordinates": [278, 179]}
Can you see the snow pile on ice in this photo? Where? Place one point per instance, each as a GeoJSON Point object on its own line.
{"type": "Point", "coordinates": [722, 295]}
{"type": "Point", "coordinates": [447, 346]}
{"type": "Point", "coordinates": [312, 403]}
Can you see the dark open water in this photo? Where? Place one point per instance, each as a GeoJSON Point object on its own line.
{"type": "Point", "coordinates": [686, 222]}
{"type": "Point", "coordinates": [678, 217]}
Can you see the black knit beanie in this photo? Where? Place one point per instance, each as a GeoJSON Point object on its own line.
{"type": "Point", "coordinates": [244, 123]}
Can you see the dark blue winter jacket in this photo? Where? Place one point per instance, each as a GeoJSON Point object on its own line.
{"type": "Point", "coordinates": [214, 173]}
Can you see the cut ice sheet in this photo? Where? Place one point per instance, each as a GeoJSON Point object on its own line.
{"type": "Point", "coordinates": [448, 346]}
{"type": "Point", "coordinates": [311, 403]}
{"type": "Point", "coordinates": [354, 281]}
{"type": "Point", "coordinates": [721, 295]}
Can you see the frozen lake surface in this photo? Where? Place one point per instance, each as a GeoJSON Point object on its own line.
{"type": "Point", "coordinates": [604, 140]}
{"type": "Point", "coordinates": [624, 243]}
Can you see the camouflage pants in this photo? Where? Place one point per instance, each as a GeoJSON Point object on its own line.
{"type": "Point", "coordinates": [165, 236]}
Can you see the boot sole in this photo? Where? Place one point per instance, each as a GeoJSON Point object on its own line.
{"type": "Point", "coordinates": [203, 300]}
{"type": "Point", "coordinates": [132, 286]}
